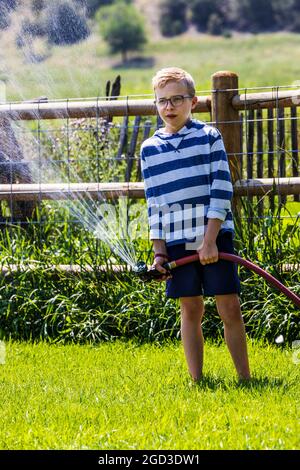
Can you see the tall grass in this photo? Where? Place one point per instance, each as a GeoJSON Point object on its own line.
{"type": "Point", "coordinates": [43, 303]}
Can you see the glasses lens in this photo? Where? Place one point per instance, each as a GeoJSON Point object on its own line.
{"type": "Point", "coordinates": [162, 102]}
{"type": "Point", "coordinates": [177, 100]}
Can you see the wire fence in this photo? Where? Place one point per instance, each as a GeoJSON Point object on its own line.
{"type": "Point", "coordinates": [61, 153]}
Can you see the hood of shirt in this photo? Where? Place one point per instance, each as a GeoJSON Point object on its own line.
{"type": "Point", "coordinates": [191, 127]}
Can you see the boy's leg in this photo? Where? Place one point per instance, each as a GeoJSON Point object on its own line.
{"type": "Point", "coordinates": [192, 310]}
{"type": "Point", "coordinates": [234, 331]}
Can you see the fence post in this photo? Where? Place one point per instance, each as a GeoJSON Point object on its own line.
{"type": "Point", "coordinates": [226, 118]}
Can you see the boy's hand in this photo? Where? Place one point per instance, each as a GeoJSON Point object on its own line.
{"type": "Point", "coordinates": [208, 253]}
{"type": "Point", "coordinates": [158, 262]}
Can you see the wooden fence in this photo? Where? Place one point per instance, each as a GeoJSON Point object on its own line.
{"type": "Point", "coordinates": [260, 132]}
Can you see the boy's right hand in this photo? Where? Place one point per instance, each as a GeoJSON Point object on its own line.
{"type": "Point", "coordinates": [158, 265]}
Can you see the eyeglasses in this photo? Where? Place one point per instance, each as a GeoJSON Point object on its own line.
{"type": "Point", "coordinates": [175, 101]}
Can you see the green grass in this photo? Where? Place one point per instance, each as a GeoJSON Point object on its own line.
{"type": "Point", "coordinates": [82, 70]}
{"type": "Point", "coordinates": [124, 396]}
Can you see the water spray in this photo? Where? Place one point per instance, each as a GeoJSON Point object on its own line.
{"type": "Point", "coordinates": [146, 275]}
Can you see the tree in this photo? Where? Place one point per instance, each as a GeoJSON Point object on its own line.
{"type": "Point", "coordinates": [122, 27]}
{"type": "Point", "coordinates": [215, 25]}
{"type": "Point", "coordinates": [37, 6]}
{"type": "Point", "coordinates": [285, 13]}
{"type": "Point", "coordinates": [255, 15]}
{"type": "Point", "coordinates": [9, 4]}
{"type": "Point", "coordinates": [173, 17]}
{"type": "Point", "coordinates": [64, 25]}
{"type": "Point", "coordinates": [93, 5]}
{"type": "Point", "coordinates": [6, 6]}
{"type": "Point", "coordinates": [201, 11]}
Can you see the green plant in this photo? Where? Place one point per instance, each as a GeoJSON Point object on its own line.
{"type": "Point", "coordinates": [215, 25]}
{"type": "Point", "coordinates": [122, 27]}
{"type": "Point", "coordinates": [173, 17]}
{"type": "Point", "coordinates": [64, 25]}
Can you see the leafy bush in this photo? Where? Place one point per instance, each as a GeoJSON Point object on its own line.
{"type": "Point", "coordinates": [9, 4]}
{"type": "Point", "coordinates": [6, 6]}
{"type": "Point", "coordinates": [4, 20]}
{"type": "Point", "coordinates": [64, 25]}
{"type": "Point", "coordinates": [122, 27]}
{"type": "Point", "coordinates": [201, 11]}
{"type": "Point", "coordinates": [217, 17]}
{"type": "Point", "coordinates": [93, 5]}
{"type": "Point", "coordinates": [173, 17]}
{"type": "Point", "coordinates": [37, 6]}
{"type": "Point", "coordinates": [215, 25]}
{"type": "Point", "coordinates": [93, 306]}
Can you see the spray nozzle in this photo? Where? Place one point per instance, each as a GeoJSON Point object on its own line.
{"type": "Point", "coordinates": [141, 270]}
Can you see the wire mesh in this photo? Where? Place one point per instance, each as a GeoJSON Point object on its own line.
{"type": "Point", "coordinates": [102, 149]}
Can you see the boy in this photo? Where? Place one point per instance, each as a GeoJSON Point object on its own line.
{"type": "Point", "coordinates": [187, 181]}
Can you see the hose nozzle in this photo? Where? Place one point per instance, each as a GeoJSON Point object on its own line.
{"type": "Point", "coordinates": [141, 270]}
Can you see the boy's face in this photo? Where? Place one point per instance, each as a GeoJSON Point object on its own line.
{"type": "Point", "coordinates": [176, 113]}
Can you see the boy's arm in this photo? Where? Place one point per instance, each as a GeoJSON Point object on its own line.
{"type": "Point", "coordinates": [154, 217]}
{"type": "Point", "coordinates": [221, 190]}
{"type": "Point", "coordinates": [208, 251]}
{"type": "Point", "coordinates": [220, 197]}
{"type": "Point", "coordinates": [159, 247]}
{"type": "Point", "coordinates": [154, 212]}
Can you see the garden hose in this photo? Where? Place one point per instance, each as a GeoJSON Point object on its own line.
{"type": "Point", "coordinates": [148, 274]}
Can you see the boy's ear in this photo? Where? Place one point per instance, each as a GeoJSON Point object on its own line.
{"type": "Point", "coordinates": [194, 102]}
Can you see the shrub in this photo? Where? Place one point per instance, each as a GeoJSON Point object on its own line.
{"type": "Point", "coordinates": [6, 6]}
{"type": "Point", "coordinates": [33, 29]}
{"type": "Point", "coordinates": [215, 25]}
{"type": "Point", "coordinates": [37, 6]}
{"type": "Point", "coordinates": [173, 17]}
{"type": "Point", "coordinates": [122, 27]}
{"type": "Point", "coordinates": [93, 5]}
{"type": "Point", "coordinates": [9, 4]}
{"type": "Point", "coordinates": [201, 11]}
{"type": "Point", "coordinates": [64, 25]}
{"type": "Point", "coordinates": [4, 20]}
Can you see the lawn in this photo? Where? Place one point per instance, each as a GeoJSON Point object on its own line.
{"type": "Point", "coordinates": [124, 396]}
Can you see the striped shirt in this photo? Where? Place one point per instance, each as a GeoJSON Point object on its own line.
{"type": "Point", "coordinates": [187, 181]}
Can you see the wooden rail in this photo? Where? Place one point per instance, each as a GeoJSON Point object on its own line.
{"type": "Point", "coordinates": [140, 107]}
{"type": "Point", "coordinates": [87, 109]}
{"type": "Point", "coordinates": [263, 186]}
{"type": "Point", "coordinates": [65, 268]}
{"type": "Point", "coordinates": [112, 191]}
{"type": "Point", "coordinates": [267, 100]}
{"type": "Point", "coordinates": [34, 192]}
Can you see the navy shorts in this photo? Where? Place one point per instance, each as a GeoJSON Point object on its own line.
{"type": "Point", "coordinates": [197, 279]}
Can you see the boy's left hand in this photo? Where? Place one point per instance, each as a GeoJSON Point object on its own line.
{"type": "Point", "coordinates": [208, 253]}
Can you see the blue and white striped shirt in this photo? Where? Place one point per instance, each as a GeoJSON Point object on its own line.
{"type": "Point", "coordinates": [186, 176]}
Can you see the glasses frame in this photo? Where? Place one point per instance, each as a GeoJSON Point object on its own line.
{"type": "Point", "coordinates": [169, 100]}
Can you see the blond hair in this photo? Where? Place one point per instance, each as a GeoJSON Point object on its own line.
{"type": "Point", "coordinates": [174, 74]}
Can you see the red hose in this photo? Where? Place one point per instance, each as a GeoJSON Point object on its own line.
{"type": "Point", "coordinates": [248, 264]}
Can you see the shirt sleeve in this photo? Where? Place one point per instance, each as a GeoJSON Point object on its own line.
{"type": "Point", "coordinates": [155, 216]}
{"type": "Point", "coordinates": [220, 180]}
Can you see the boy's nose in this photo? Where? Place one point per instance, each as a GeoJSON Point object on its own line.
{"type": "Point", "coordinates": [169, 104]}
